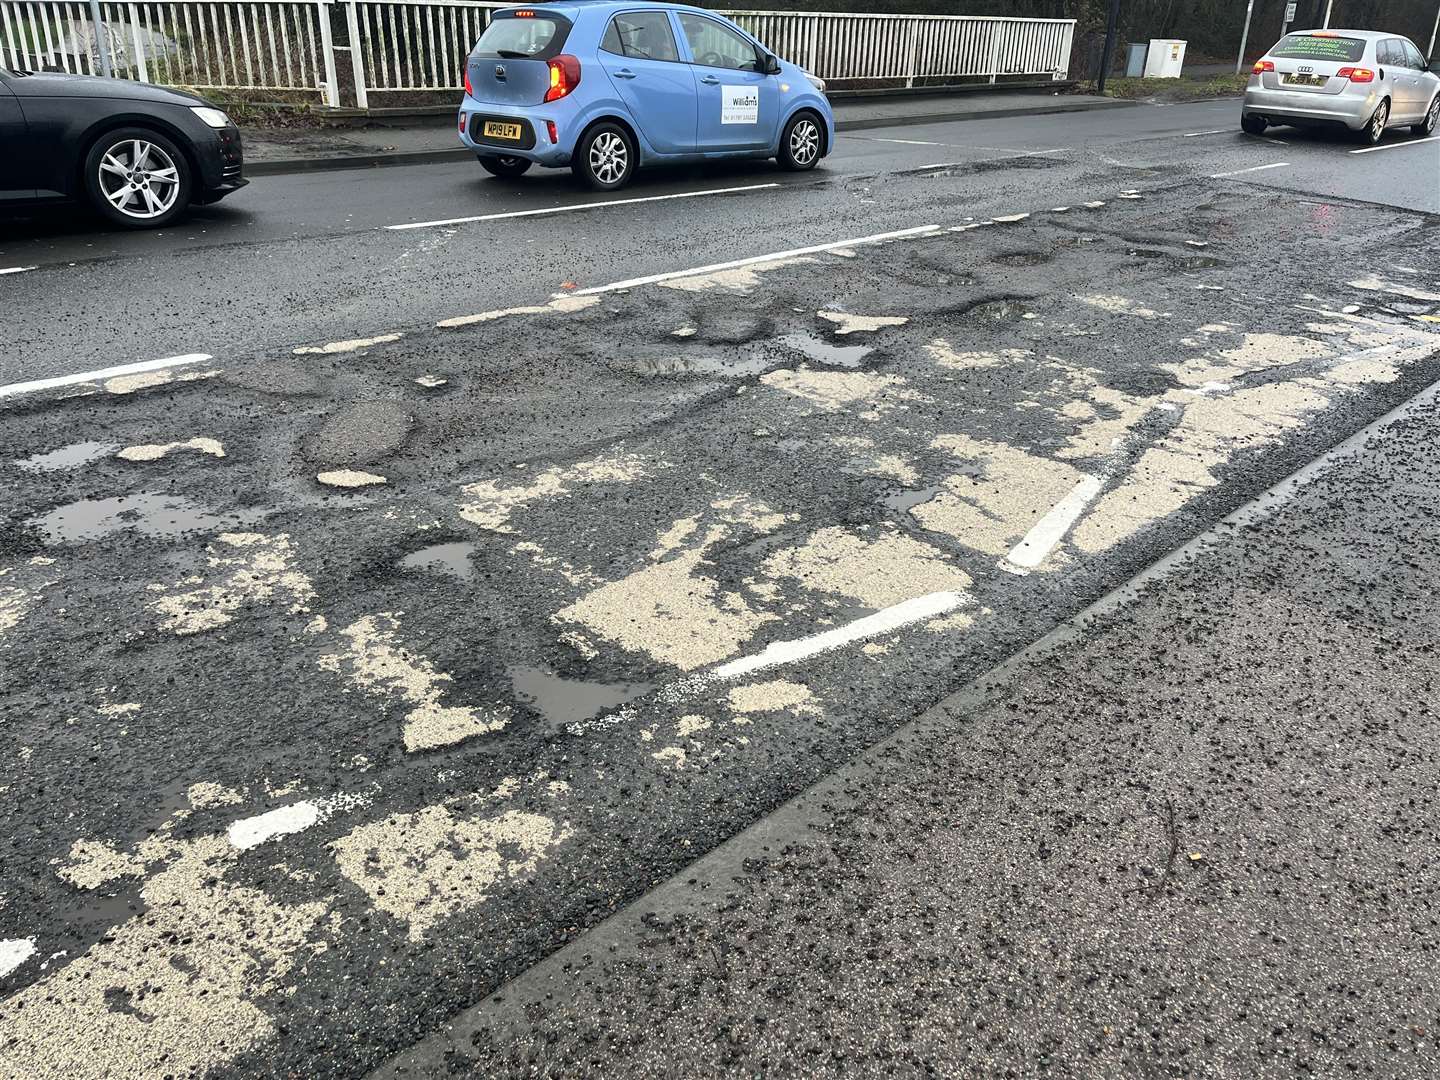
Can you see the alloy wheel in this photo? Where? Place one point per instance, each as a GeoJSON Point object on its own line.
{"type": "Point", "coordinates": [609, 157]}
{"type": "Point", "coordinates": [1377, 122]}
{"type": "Point", "coordinates": [804, 142]}
{"type": "Point", "coordinates": [139, 179]}
{"type": "Point", "coordinates": [1434, 116]}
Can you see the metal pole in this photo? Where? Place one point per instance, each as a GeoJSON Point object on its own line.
{"type": "Point", "coordinates": [1108, 51]}
{"type": "Point", "coordinates": [1430, 52]}
{"type": "Point", "coordinates": [1244, 36]}
{"type": "Point", "coordinates": [1328, 5]}
{"type": "Point", "coordinates": [101, 45]}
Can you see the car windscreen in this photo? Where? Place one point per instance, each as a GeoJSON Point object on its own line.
{"type": "Point", "coordinates": [1320, 47]}
{"type": "Point", "coordinates": [527, 36]}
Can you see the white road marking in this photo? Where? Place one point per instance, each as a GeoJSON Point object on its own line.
{"type": "Point", "coordinates": [1197, 134]}
{"type": "Point", "coordinates": [774, 256]}
{"type": "Point", "coordinates": [1037, 544]}
{"type": "Point", "coordinates": [248, 832]}
{"type": "Point", "coordinates": [1253, 168]}
{"type": "Point", "coordinates": [346, 346]}
{"type": "Point", "coordinates": [13, 953]}
{"type": "Point", "coordinates": [1398, 145]}
{"type": "Point", "coordinates": [943, 165]}
{"type": "Point", "coordinates": [17, 269]}
{"type": "Point", "coordinates": [912, 142]}
{"type": "Point", "coordinates": [882, 622]}
{"type": "Point", "coordinates": [103, 373]}
{"type": "Point", "coordinates": [578, 206]}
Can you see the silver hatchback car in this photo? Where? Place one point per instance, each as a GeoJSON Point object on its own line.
{"type": "Point", "coordinates": [1359, 79]}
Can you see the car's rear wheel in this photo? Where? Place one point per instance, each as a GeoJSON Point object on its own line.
{"type": "Point", "coordinates": [1253, 125]}
{"type": "Point", "coordinates": [1374, 131]}
{"type": "Point", "coordinates": [1431, 121]}
{"type": "Point", "coordinates": [499, 165]}
{"type": "Point", "coordinates": [138, 178]}
{"type": "Point", "coordinates": [605, 157]}
{"type": "Point", "coordinates": [800, 143]}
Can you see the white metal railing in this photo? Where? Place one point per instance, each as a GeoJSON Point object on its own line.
{"type": "Point", "coordinates": [421, 45]}
{"type": "Point", "coordinates": [209, 44]}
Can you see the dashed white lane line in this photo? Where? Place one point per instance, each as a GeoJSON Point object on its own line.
{"type": "Point", "coordinates": [912, 142]}
{"type": "Point", "coordinates": [17, 269]}
{"type": "Point", "coordinates": [1031, 551]}
{"type": "Point", "coordinates": [248, 832]}
{"type": "Point", "coordinates": [103, 373]}
{"type": "Point", "coordinates": [1253, 168]}
{"type": "Point", "coordinates": [578, 206]}
{"type": "Point", "coordinates": [882, 622]}
{"type": "Point", "coordinates": [1397, 145]}
{"type": "Point", "coordinates": [1197, 134]}
{"type": "Point", "coordinates": [774, 256]}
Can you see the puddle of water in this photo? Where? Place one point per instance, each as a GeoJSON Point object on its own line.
{"type": "Point", "coordinates": [452, 559]}
{"type": "Point", "coordinates": [67, 457]}
{"type": "Point", "coordinates": [902, 499]}
{"type": "Point", "coordinates": [150, 514]}
{"type": "Point", "coordinates": [568, 701]}
{"type": "Point", "coordinates": [823, 351]}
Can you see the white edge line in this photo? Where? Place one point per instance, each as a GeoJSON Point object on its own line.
{"type": "Point", "coordinates": [882, 622]}
{"type": "Point", "coordinates": [1037, 544]}
{"type": "Point", "coordinates": [578, 206]}
{"type": "Point", "coordinates": [1197, 134]}
{"type": "Point", "coordinates": [17, 269]}
{"type": "Point", "coordinates": [1397, 145]}
{"type": "Point", "coordinates": [775, 256]}
{"type": "Point", "coordinates": [103, 373]}
{"type": "Point", "coordinates": [1253, 168]}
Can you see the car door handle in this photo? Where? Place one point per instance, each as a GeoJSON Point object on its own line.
{"type": "Point", "coordinates": [710, 80]}
{"type": "Point", "coordinates": [625, 73]}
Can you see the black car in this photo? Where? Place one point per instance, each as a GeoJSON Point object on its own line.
{"type": "Point", "coordinates": [139, 154]}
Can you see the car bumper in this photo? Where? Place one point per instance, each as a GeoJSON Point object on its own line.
{"type": "Point", "coordinates": [222, 164]}
{"type": "Point", "coordinates": [1289, 106]}
{"type": "Point", "coordinates": [470, 128]}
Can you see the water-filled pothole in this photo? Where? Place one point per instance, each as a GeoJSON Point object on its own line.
{"type": "Point", "coordinates": [1024, 258]}
{"type": "Point", "coordinates": [452, 559]}
{"type": "Point", "coordinates": [146, 513]}
{"type": "Point", "coordinates": [564, 701]}
{"type": "Point", "coordinates": [67, 457]}
{"type": "Point", "coordinates": [903, 499]}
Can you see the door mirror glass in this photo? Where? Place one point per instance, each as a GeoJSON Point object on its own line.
{"type": "Point", "coordinates": [772, 64]}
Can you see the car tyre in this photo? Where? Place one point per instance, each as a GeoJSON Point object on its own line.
{"type": "Point", "coordinates": [801, 143]}
{"type": "Point", "coordinates": [500, 165]}
{"type": "Point", "coordinates": [1431, 121]}
{"type": "Point", "coordinates": [1253, 125]}
{"type": "Point", "coordinates": [137, 178]}
{"type": "Point", "coordinates": [1374, 129]}
{"type": "Point", "coordinates": [604, 156]}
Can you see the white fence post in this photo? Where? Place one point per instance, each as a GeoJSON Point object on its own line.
{"type": "Point", "coordinates": [357, 60]}
{"type": "Point", "coordinates": [914, 60]}
{"type": "Point", "coordinates": [142, 71]}
{"type": "Point", "coordinates": [327, 48]}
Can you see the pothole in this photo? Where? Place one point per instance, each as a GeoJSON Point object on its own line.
{"type": "Point", "coordinates": [564, 701]}
{"type": "Point", "coordinates": [149, 514]}
{"type": "Point", "coordinates": [452, 559]}
{"type": "Point", "coordinates": [1024, 258]}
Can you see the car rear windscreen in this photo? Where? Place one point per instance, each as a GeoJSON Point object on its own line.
{"type": "Point", "coordinates": [1319, 47]}
{"type": "Point", "coordinates": [528, 36]}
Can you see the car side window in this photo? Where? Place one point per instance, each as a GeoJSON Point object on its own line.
{"type": "Point", "coordinates": [1412, 54]}
{"type": "Point", "coordinates": [714, 45]}
{"type": "Point", "coordinates": [643, 35]}
{"type": "Point", "coordinates": [1391, 53]}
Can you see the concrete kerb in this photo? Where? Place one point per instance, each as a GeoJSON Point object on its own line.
{"type": "Point", "coordinates": [283, 166]}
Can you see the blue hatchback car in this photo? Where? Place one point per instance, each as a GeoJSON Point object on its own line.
{"type": "Point", "coordinates": [605, 87]}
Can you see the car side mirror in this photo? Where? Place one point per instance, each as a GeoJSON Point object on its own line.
{"type": "Point", "coordinates": [772, 64]}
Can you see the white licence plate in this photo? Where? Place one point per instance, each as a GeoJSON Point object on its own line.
{"type": "Point", "coordinates": [496, 130]}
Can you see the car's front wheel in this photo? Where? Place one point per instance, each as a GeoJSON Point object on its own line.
{"type": "Point", "coordinates": [497, 165]}
{"type": "Point", "coordinates": [1253, 125]}
{"type": "Point", "coordinates": [1431, 121]}
{"type": "Point", "coordinates": [800, 143]}
{"type": "Point", "coordinates": [605, 157]}
{"type": "Point", "coordinates": [138, 178]}
{"type": "Point", "coordinates": [1374, 131]}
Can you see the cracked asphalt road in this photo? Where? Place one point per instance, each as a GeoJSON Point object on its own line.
{"type": "Point", "coordinates": [346, 678]}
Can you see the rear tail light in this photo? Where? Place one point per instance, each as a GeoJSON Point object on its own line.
{"type": "Point", "coordinates": [468, 88]}
{"type": "Point", "coordinates": [1262, 66]}
{"type": "Point", "coordinates": [564, 76]}
{"type": "Point", "coordinates": [463, 118]}
{"type": "Point", "coordinates": [1356, 74]}
{"type": "Point", "coordinates": [550, 129]}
